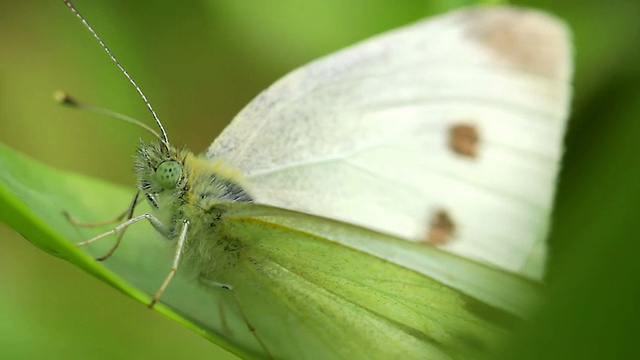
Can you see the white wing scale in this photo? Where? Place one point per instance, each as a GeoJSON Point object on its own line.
{"type": "Point", "coordinates": [363, 135]}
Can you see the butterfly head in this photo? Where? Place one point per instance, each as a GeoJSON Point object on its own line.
{"type": "Point", "coordinates": [160, 170]}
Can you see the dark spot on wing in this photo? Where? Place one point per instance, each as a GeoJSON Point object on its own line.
{"type": "Point", "coordinates": [463, 140]}
{"type": "Point", "coordinates": [526, 39]}
{"type": "Point", "coordinates": [442, 228]}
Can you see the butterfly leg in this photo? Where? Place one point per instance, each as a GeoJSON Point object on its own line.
{"type": "Point", "coordinates": [128, 213]}
{"type": "Point", "coordinates": [174, 266]}
{"type": "Point", "coordinates": [152, 219]}
{"type": "Point", "coordinates": [251, 328]}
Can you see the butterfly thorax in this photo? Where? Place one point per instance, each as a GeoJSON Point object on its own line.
{"type": "Point", "coordinates": [180, 186]}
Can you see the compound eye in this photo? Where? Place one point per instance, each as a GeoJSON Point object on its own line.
{"type": "Point", "coordinates": [168, 174]}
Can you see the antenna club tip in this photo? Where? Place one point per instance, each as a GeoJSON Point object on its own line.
{"type": "Point", "coordinates": [64, 98]}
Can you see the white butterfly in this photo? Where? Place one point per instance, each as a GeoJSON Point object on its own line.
{"type": "Point", "coordinates": [449, 130]}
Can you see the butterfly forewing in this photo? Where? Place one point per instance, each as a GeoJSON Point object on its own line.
{"type": "Point", "coordinates": [458, 118]}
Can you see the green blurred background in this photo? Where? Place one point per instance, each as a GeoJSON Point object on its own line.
{"type": "Point", "coordinates": [199, 62]}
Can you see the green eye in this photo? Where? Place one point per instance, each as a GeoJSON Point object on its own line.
{"type": "Point", "coordinates": [168, 174]}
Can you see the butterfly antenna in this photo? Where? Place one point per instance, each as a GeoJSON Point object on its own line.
{"type": "Point", "coordinates": [126, 74]}
{"type": "Point", "coordinates": [66, 99]}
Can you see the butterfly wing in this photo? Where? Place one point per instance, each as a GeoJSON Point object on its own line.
{"type": "Point", "coordinates": [447, 131]}
{"type": "Point", "coordinates": [309, 295]}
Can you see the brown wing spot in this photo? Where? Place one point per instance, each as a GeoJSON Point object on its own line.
{"type": "Point", "coordinates": [463, 140]}
{"type": "Point", "coordinates": [529, 39]}
{"type": "Point", "coordinates": [442, 228]}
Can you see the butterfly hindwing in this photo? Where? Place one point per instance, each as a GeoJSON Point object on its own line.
{"type": "Point", "coordinates": [301, 290]}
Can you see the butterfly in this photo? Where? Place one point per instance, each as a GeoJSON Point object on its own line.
{"type": "Point", "coordinates": [445, 133]}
